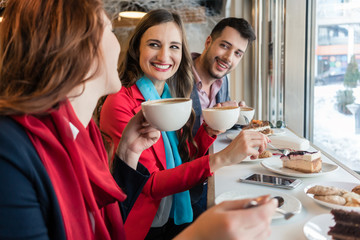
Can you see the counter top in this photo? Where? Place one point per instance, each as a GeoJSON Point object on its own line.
{"type": "Point", "coordinates": [226, 179]}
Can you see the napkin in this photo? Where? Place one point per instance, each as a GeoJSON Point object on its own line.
{"type": "Point", "coordinates": [295, 143]}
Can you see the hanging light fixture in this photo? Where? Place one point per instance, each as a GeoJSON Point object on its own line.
{"type": "Point", "coordinates": [131, 14]}
{"type": "Point", "coordinates": [2, 9]}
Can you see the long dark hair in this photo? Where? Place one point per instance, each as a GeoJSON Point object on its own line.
{"type": "Point", "coordinates": [181, 83]}
{"type": "Point", "coordinates": [46, 49]}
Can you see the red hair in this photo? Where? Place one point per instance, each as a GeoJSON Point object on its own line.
{"type": "Point", "coordinates": [46, 49]}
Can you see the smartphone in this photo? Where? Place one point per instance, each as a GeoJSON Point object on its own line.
{"type": "Point", "coordinates": [272, 181]}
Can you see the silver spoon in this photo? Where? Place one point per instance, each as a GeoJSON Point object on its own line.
{"type": "Point", "coordinates": [246, 120]}
{"type": "Point", "coordinates": [283, 151]}
{"type": "Point", "coordinates": [287, 215]}
{"type": "Point", "coordinates": [281, 201]}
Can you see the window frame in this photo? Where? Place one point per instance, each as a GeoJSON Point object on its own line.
{"type": "Point", "coordinates": [305, 74]}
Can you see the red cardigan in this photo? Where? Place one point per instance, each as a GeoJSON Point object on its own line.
{"type": "Point", "coordinates": [116, 112]}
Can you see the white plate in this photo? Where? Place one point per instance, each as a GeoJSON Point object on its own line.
{"type": "Point", "coordinates": [317, 227]}
{"type": "Point", "coordinates": [291, 204]}
{"type": "Point", "coordinates": [276, 166]}
{"type": "Point", "coordinates": [247, 160]}
{"type": "Point", "coordinates": [231, 136]}
{"type": "Point", "coordinates": [343, 185]}
{"type": "Point", "coordinates": [278, 131]}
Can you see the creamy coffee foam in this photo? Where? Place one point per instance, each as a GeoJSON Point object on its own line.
{"type": "Point", "coordinates": [246, 109]}
{"type": "Point", "coordinates": [224, 108]}
{"type": "Point", "coordinates": [166, 101]}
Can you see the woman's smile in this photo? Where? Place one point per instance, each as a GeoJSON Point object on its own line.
{"type": "Point", "coordinates": [162, 67]}
{"type": "Point", "coordinates": [161, 51]}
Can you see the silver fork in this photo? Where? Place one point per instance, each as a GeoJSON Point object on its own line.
{"type": "Point", "coordinates": [283, 151]}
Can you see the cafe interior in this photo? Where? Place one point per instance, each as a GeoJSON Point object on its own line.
{"type": "Point", "coordinates": [299, 76]}
{"type": "Point", "coordinates": [294, 69]}
{"type": "Point", "coordinates": [295, 75]}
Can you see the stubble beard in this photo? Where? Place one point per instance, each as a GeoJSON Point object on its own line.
{"type": "Point", "coordinates": [213, 74]}
{"type": "Point", "coordinates": [209, 65]}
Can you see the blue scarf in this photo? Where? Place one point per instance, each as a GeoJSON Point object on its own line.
{"type": "Point", "coordinates": [181, 210]}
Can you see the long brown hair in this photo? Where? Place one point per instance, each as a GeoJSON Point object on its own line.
{"type": "Point", "coordinates": [46, 49]}
{"type": "Point", "coordinates": [181, 83]}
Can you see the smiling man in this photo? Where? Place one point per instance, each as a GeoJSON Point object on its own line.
{"type": "Point", "coordinates": [224, 49]}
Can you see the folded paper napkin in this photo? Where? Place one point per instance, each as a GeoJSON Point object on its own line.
{"type": "Point", "coordinates": [294, 143]}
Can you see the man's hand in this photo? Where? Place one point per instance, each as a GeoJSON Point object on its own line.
{"type": "Point", "coordinates": [242, 104]}
{"type": "Point", "coordinates": [231, 104]}
{"type": "Point", "coordinates": [227, 104]}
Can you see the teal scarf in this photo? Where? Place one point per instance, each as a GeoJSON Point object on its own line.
{"type": "Point", "coordinates": [181, 209]}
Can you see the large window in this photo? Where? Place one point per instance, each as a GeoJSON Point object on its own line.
{"type": "Point", "coordinates": [306, 71]}
{"type": "Point", "coordinates": [336, 93]}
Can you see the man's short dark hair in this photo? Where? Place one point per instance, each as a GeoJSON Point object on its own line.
{"type": "Point", "coordinates": [241, 25]}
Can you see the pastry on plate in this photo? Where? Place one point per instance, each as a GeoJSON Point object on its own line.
{"type": "Point", "coordinates": [356, 189]}
{"type": "Point", "coordinates": [325, 190]}
{"type": "Point", "coordinates": [347, 225]}
{"type": "Point", "coordinates": [352, 199]}
{"type": "Point", "coordinates": [265, 154]}
{"type": "Point", "coordinates": [259, 126]}
{"type": "Point", "coordinates": [303, 161]}
{"type": "Point", "coordinates": [335, 199]}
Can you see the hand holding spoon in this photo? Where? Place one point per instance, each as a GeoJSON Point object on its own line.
{"type": "Point", "coordinates": [287, 215]}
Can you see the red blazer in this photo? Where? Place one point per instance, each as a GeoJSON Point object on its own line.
{"type": "Point", "coordinates": [116, 112]}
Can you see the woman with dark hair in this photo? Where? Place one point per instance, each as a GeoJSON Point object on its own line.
{"type": "Point", "coordinates": [178, 76]}
{"type": "Point", "coordinates": [157, 65]}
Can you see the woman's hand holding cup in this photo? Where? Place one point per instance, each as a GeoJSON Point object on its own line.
{"type": "Point", "coordinates": [138, 135]}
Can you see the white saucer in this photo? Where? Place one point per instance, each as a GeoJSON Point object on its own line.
{"type": "Point", "coordinates": [231, 136]}
{"type": "Point", "coordinates": [291, 204]}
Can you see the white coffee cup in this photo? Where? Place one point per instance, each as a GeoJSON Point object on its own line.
{"type": "Point", "coordinates": [246, 115]}
{"type": "Point", "coordinates": [167, 114]}
{"type": "Point", "coordinates": [221, 118]}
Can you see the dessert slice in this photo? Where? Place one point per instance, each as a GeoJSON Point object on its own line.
{"type": "Point", "coordinates": [265, 154]}
{"type": "Point", "coordinates": [303, 161]}
{"type": "Point", "coordinates": [347, 225]}
{"type": "Point", "coordinates": [259, 126]}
